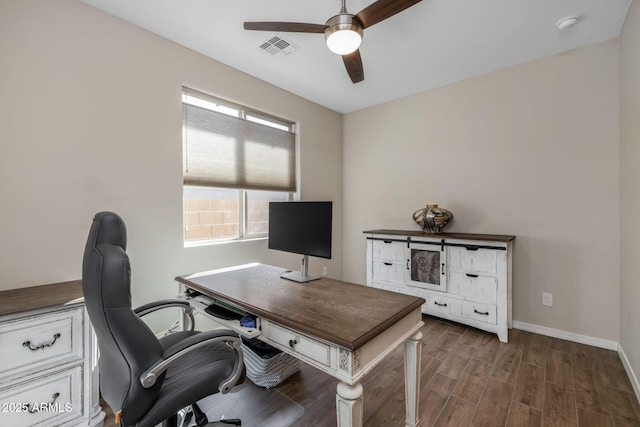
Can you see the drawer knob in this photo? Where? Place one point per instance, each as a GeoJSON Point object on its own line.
{"type": "Point", "coordinates": [292, 343]}
{"type": "Point", "coordinates": [41, 346]}
{"type": "Point", "coordinates": [485, 313]}
{"type": "Point", "coordinates": [35, 409]}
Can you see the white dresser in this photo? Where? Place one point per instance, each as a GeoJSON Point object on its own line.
{"type": "Point", "coordinates": [48, 361]}
{"type": "Point", "coordinates": [462, 277]}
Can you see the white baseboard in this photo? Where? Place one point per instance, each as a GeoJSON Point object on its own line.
{"type": "Point", "coordinates": [569, 336]}
{"type": "Point", "coordinates": [630, 373]}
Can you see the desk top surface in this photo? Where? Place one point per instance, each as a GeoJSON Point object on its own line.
{"type": "Point", "coordinates": [342, 313]}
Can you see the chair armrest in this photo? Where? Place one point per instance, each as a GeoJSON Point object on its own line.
{"type": "Point", "coordinates": [166, 303]}
{"type": "Point", "coordinates": [193, 343]}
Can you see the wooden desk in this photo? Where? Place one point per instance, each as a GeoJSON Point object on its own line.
{"type": "Point", "coordinates": [341, 328]}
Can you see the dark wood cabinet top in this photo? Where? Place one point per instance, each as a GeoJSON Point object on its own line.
{"type": "Point", "coordinates": [342, 313]}
{"type": "Point", "coordinates": [461, 236]}
{"type": "Point", "coordinates": [18, 300]}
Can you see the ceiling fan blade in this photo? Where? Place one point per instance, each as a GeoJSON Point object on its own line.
{"type": "Point", "coordinates": [381, 10]}
{"type": "Point", "coordinates": [291, 27]}
{"type": "Point", "coordinates": [353, 63]}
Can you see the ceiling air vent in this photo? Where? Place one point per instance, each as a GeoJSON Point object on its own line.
{"type": "Point", "coordinates": [278, 47]}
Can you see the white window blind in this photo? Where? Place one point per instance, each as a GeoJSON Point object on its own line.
{"type": "Point", "coordinates": [229, 146]}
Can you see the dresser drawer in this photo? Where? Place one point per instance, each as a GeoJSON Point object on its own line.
{"type": "Point", "coordinates": [387, 271]}
{"type": "Point", "coordinates": [482, 288]}
{"type": "Point", "coordinates": [388, 250]}
{"type": "Point", "coordinates": [481, 312]}
{"type": "Point", "coordinates": [298, 343]}
{"type": "Point", "coordinates": [477, 261]}
{"type": "Point", "coordinates": [50, 400]}
{"type": "Point", "coordinates": [439, 305]}
{"type": "Point", "coordinates": [31, 342]}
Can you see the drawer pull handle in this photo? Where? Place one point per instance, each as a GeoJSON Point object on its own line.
{"type": "Point", "coordinates": [33, 409]}
{"type": "Point", "coordinates": [388, 263]}
{"type": "Point", "coordinates": [41, 346]}
{"type": "Point", "coordinates": [440, 304]}
{"type": "Point", "coordinates": [472, 248]}
{"type": "Point", "coordinates": [471, 275]}
{"type": "Point", "coordinates": [388, 241]}
{"type": "Point", "coordinates": [292, 343]}
{"type": "Point", "coordinates": [485, 313]}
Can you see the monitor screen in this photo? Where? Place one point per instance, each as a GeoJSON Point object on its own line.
{"type": "Point", "coordinates": [301, 227]}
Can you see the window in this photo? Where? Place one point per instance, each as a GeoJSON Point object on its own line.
{"type": "Point", "coordinates": [235, 161]}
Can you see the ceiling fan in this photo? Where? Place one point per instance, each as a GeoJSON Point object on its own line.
{"type": "Point", "coordinates": [343, 32]}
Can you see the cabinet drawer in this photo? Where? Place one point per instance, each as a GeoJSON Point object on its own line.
{"type": "Point", "coordinates": [298, 343]}
{"type": "Point", "coordinates": [49, 400]}
{"type": "Point", "coordinates": [481, 312]}
{"type": "Point", "coordinates": [438, 305]}
{"type": "Point", "coordinates": [385, 271]}
{"type": "Point", "coordinates": [478, 287]}
{"type": "Point", "coordinates": [388, 250]}
{"type": "Point", "coordinates": [31, 342]}
{"type": "Point", "coordinates": [478, 261]}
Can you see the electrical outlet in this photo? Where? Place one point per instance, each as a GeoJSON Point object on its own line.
{"type": "Point", "coordinates": [325, 270]}
{"type": "Point", "coordinates": [547, 299]}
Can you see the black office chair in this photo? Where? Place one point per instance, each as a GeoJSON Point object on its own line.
{"type": "Point", "coordinates": [146, 380]}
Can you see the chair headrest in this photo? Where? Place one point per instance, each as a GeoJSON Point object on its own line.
{"type": "Point", "coordinates": [110, 229]}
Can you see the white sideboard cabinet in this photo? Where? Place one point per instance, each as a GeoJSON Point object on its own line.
{"type": "Point", "coordinates": [48, 358]}
{"type": "Point", "coordinates": [462, 277]}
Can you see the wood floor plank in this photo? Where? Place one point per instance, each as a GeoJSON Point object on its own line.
{"type": "Point", "coordinates": [529, 388]}
{"type": "Point", "coordinates": [456, 413]}
{"type": "Point", "coordinates": [453, 366]}
{"type": "Point", "coordinates": [494, 404]}
{"type": "Point", "coordinates": [434, 396]}
{"type": "Point", "coordinates": [590, 393]}
{"type": "Point", "coordinates": [523, 416]}
{"type": "Point", "coordinates": [535, 350]}
{"type": "Point", "coordinates": [472, 383]}
{"type": "Point", "coordinates": [593, 419]}
{"type": "Point", "coordinates": [507, 365]}
{"type": "Point", "coordinates": [623, 405]}
{"type": "Point", "coordinates": [559, 368]}
{"type": "Point", "coordinates": [559, 409]}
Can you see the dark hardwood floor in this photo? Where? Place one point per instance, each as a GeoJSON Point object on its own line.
{"type": "Point", "coordinates": [469, 378]}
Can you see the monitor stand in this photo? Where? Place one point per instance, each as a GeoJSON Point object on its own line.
{"type": "Point", "coordinates": [302, 275]}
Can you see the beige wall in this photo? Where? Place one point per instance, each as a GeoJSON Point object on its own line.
{"type": "Point", "coordinates": [532, 151]}
{"type": "Point", "coordinates": [630, 188]}
{"type": "Point", "coordinates": [90, 120]}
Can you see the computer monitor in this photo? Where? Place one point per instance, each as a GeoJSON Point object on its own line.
{"type": "Point", "coordinates": [303, 228]}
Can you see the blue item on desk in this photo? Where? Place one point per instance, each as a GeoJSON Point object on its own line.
{"type": "Point", "coordinates": [248, 322]}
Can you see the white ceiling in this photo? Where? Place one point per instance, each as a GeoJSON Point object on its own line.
{"type": "Point", "coordinates": [431, 44]}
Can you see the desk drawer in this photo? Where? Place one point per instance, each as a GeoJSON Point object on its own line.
{"type": "Point", "coordinates": [298, 343]}
{"type": "Point", "coordinates": [30, 342]}
{"type": "Point", "coordinates": [52, 399]}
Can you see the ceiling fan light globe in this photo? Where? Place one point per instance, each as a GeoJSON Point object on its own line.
{"type": "Point", "coordinates": [343, 34]}
{"type": "Point", "coordinates": [344, 42]}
